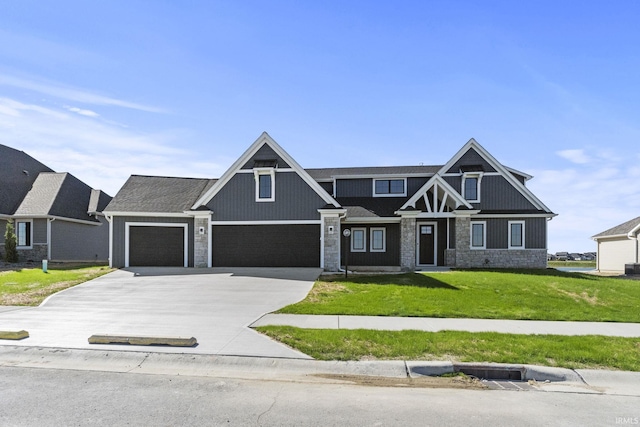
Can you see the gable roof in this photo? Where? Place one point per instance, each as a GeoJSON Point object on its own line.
{"type": "Point", "coordinates": [627, 229]}
{"type": "Point", "coordinates": [158, 194]}
{"type": "Point", "coordinates": [242, 161]}
{"type": "Point", "coordinates": [472, 144]}
{"type": "Point", "coordinates": [434, 181]}
{"type": "Point", "coordinates": [18, 171]}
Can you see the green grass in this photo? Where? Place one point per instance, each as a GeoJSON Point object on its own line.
{"type": "Point", "coordinates": [576, 264]}
{"type": "Point", "coordinates": [31, 286]}
{"type": "Point", "coordinates": [507, 294]}
{"type": "Point", "coordinates": [593, 352]}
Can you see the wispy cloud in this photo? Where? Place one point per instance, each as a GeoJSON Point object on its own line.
{"type": "Point", "coordinates": [73, 94]}
{"type": "Point", "coordinates": [82, 112]}
{"type": "Point", "coordinates": [575, 156]}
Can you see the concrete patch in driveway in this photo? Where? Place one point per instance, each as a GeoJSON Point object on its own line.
{"type": "Point", "coordinates": [214, 305]}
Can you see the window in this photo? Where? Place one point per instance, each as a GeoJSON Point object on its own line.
{"type": "Point", "coordinates": [471, 187]}
{"type": "Point", "coordinates": [478, 235]}
{"type": "Point", "coordinates": [23, 233]}
{"type": "Point", "coordinates": [265, 189]}
{"type": "Point", "coordinates": [358, 239]}
{"type": "Point", "coordinates": [378, 239]}
{"type": "Point", "coordinates": [389, 187]}
{"type": "Point", "coordinates": [516, 234]}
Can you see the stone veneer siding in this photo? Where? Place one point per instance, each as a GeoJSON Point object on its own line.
{"type": "Point", "coordinates": [332, 243]}
{"type": "Point", "coordinates": [408, 243]}
{"type": "Point", "coordinates": [506, 258]}
{"type": "Point", "coordinates": [39, 252]}
{"type": "Point", "coordinates": [201, 243]}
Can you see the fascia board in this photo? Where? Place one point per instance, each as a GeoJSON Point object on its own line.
{"type": "Point", "coordinates": [235, 167]}
{"type": "Point", "coordinates": [634, 231]}
{"type": "Point", "coordinates": [59, 218]}
{"type": "Point", "coordinates": [156, 214]}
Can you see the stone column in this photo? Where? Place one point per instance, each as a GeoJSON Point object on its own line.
{"type": "Point", "coordinates": [331, 234]}
{"type": "Point", "coordinates": [201, 242]}
{"type": "Point", "coordinates": [463, 242]}
{"type": "Point", "coordinates": [408, 240]}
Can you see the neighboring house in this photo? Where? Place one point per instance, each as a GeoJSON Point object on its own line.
{"type": "Point", "coordinates": [266, 210]}
{"type": "Point", "coordinates": [574, 257]}
{"type": "Point", "coordinates": [562, 256]}
{"type": "Point", "coordinates": [618, 246]}
{"type": "Point", "coordinates": [56, 216]}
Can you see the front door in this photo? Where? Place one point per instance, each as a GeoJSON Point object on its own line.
{"type": "Point", "coordinates": [427, 243]}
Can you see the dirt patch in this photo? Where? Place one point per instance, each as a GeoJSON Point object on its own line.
{"type": "Point", "coordinates": [321, 289]}
{"type": "Point", "coordinates": [34, 297]}
{"type": "Point", "coordinates": [582, 296]}
{"type": "Point", "coordinates": [459, 382]}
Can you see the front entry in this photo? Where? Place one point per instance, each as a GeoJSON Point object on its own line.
{"type": "Point", "coordinates": [427, 239]}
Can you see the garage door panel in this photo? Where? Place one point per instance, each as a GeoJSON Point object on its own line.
{"type": "Point", "coordinates": [266, 245]}
{"type": "Point", "coordinates": [156, 246]}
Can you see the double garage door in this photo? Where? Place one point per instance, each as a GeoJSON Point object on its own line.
{"type": "Point", "coordinates": [233, 246]}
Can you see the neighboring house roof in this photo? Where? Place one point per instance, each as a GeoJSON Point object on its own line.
{"type": "Point", "coordinates": [18, 171]}
{"type": "Point", "coordinates": [158, 194]}
{"type": "Point", "coordinates": [625, 229]}
{"type": "Point", "coordinates": [327, 174]}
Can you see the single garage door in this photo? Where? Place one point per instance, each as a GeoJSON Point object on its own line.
{"type": "Point", "coordinates": [156, 246]}
{"type": "Point", "coordinates": [266, 245]}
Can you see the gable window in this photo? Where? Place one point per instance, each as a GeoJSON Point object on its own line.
{"type": "Point", "coordinates": [358, 239]}
{"type": "Point", "coordinates": [471, 187]}
{"type": "Point", "coordinates": [516, 234]}
{"type": "Point", "coordinates": [478, 235]}
{"type": "Point", "coordinates": [378, 239]}
{"type": "Point", "coordinates": [390, 187]}
{"type": "Point", "coordinates": [23, 233]}
{"type": "Point", "coordinates": [265, 184]}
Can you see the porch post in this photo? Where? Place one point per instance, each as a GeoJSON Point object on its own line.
{"type": "Point", "coordinates": [330, 238]}
{"type": "Point", "coordinates": [408, 239]}
{"type": "Point", "coordinates": [201, 240]}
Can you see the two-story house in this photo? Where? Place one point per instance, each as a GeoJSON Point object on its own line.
{"type": "Point", "coordinates": [266, 210]}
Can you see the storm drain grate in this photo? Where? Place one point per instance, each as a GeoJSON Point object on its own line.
{"type": "Point", "coordinates": [489, 373]}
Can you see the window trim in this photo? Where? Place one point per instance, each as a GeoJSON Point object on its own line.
{"type": "Point", "coordinates": [257, 172]}
{"type": "Point", "coordinates": [478, 176]}
{"type": "Point", "coordinates": [364, 239]}
{"type": "Point", "coordinates": [384, 239]}
{"type": "Point", "coordinates": [29, 244]}
{"type": "Point", "coordinates": [484, 235]}
{"type": "Point", "coordinates": [404, 185]}
{"type": "Point", "coordinates": [522, 246]}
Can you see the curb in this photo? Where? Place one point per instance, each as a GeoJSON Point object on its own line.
{"type": "Point", "coordinates": [13, 335]}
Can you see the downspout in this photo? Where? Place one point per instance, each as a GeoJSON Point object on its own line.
{"type": "Point", "coordinates": [340, 217]}
{"type": "Point", "coordinates": [49, 221]}
{"type": "Point", "coordinates": [110, 221]}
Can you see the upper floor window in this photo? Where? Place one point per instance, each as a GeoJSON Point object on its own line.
{"type": "Point", "coordinates": [390, 187]}
{"type": "Point", "coordinates": [265, 184]}
{"type": "Point", "coordinates": [516, 234]}
{"type": "Point", "coordinates": [23, 233]}
{"type": "Point", "coordinates": [471, 187]}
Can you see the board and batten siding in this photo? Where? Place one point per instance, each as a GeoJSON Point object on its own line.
{"type": "Point", "coordinates": [469, 158]}
{"type": "Point", "coordinates": [119, 234]}
{"type": "Point", "coordinates": [265, 153]}
{"type": "Point", "coordinates": [71, 241]}
{"type": "Point", "coordinates": [294, 200]}
{"type": "Point", "coordinates": [391, 257]}
{"type": "Point", "coordinates": [496, 193]}
{"type": "Point", "coordinates": [535, 230]}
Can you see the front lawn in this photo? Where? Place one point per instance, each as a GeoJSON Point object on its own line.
{"type": "Point", "coordinates": [30, 286]}
{"type": "Point", "coordinates": [592, 352]}
{"type": "Point", "coordinates": [498, 294]}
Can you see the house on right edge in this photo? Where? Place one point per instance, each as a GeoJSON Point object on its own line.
{"type": "Point", "coordinates": [474, 212]}
{"type": "Point", "coordinates": [619, 247]}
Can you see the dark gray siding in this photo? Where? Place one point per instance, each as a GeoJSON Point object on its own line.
{"type": "Point", "coordinates": [414, 184]}
{"type": "Point", "coordinates": [3, 225]}
{"type": "Point", "coordinates": [389, 258]}
{"type": "Point", "coordinates": [119, 233]}
{"type": "Point", "coordinates": [328, 187]}
{"type": "Point", "coordinates": [452, 233]}
{"type": "Point", "coordinates": [71, 241]}
{"type": "Point", "coordinates": [496, 193]}
{"type": "Point", "coordinates": [266, 245]}
{"type": "Point", "coordinates": [469, 158]}
{"type": "Point", "coordinates": [455, 182]}
{"type": "Point", "coordinates": [265, 153]}
{"type": "Point", "coordinates": [360, 187]}
{"type": "Point", "coordinates": [40, 230]}
{"type": "Point", "coordinates": [498, 232]}
{"type": "Point", "coordinates": [295, 200]}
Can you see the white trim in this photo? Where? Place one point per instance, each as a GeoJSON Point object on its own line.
{"type": "Point", "coordinates": [373, 220]}
{"type": "Point", "coordinates": [435, 243]}
{"type": "Point", "coordinates": [404, 186]}
{"type": "Point", "coordinates": [276, 169]}
{"type": "Point", "coordinates": [384, 239]}
{"type": "Point", "coordinates": [463, 188]}
{"type": "Point", "coordinates": [436, 215]}
{"type": "Point", "coordinates": [364, 239]}
{"type": "Point", "coordinates": [128, 225]}
{"type": "Point", "coordinates": [270, 222]}
{"type": "Point", "coordinates": [61, 218]}
{"type": "Point", "coordinates": [237, 165]}
{"type": "Point", "coordinates": [209, 243]}
{"type": "Point", "coordinates": [49, 221]}
{"type": "Point", "coordinates": [257, 173]}
{"type": "Point", "coordinates": [516, 215]}
{"type": "Point", "coordinates": [443, 185]}
{"type": "Point", "coordinates": [15, 230]}
{"type": "Point", "coordinates": [526, 176]}
{"type": "Point", "coordinates": [523, 246]}
{"type": "Point", "coordinates": [322, 241]}
{"type": "Point", "coordinates": [110, 221]}
{"type": "Point", "coordinates": [457, 174]}
{"type": "Point", "coordinates": [484, 235]}
{"type": "Point", "coordinates": [154, 214]}
{"type": "Point", "coordinates": [382, 175]}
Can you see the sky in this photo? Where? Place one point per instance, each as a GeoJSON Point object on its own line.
{"type": "Point", "coordinates": [108, 89]}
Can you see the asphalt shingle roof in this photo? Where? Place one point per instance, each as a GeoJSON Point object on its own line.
{"type": "Point", "coordinates": [623, 228]}
{"type": "Point", "coordinates": [158, 194]}
{"type": "Point", "coordinates": [371, 206]}
{"type": "Point", "coordinates": [323, 174]}
{"type": "Point", "coordinates": [18, 171]}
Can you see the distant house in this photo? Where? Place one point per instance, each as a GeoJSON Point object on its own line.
{"type": "Point", "coordinates": [56, 216]}
{"type": "Point", "coordinates": [618, 246]}
{"type": "Point", "coordinates": [562, 256]}
{"type": "Point", "coordinates": [266, 210]}
{"type": "Point", "coordinates": [574, 257]}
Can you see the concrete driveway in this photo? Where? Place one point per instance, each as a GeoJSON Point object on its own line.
{"type": "Point", "coordinates": [213, 305]}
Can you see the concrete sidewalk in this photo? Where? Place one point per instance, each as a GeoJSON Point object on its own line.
{"type": "Point", "coordinates": [431, 324]}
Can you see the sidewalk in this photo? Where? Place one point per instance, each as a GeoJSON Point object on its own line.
{"type": "Point", "coordinates": [431, 324]}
